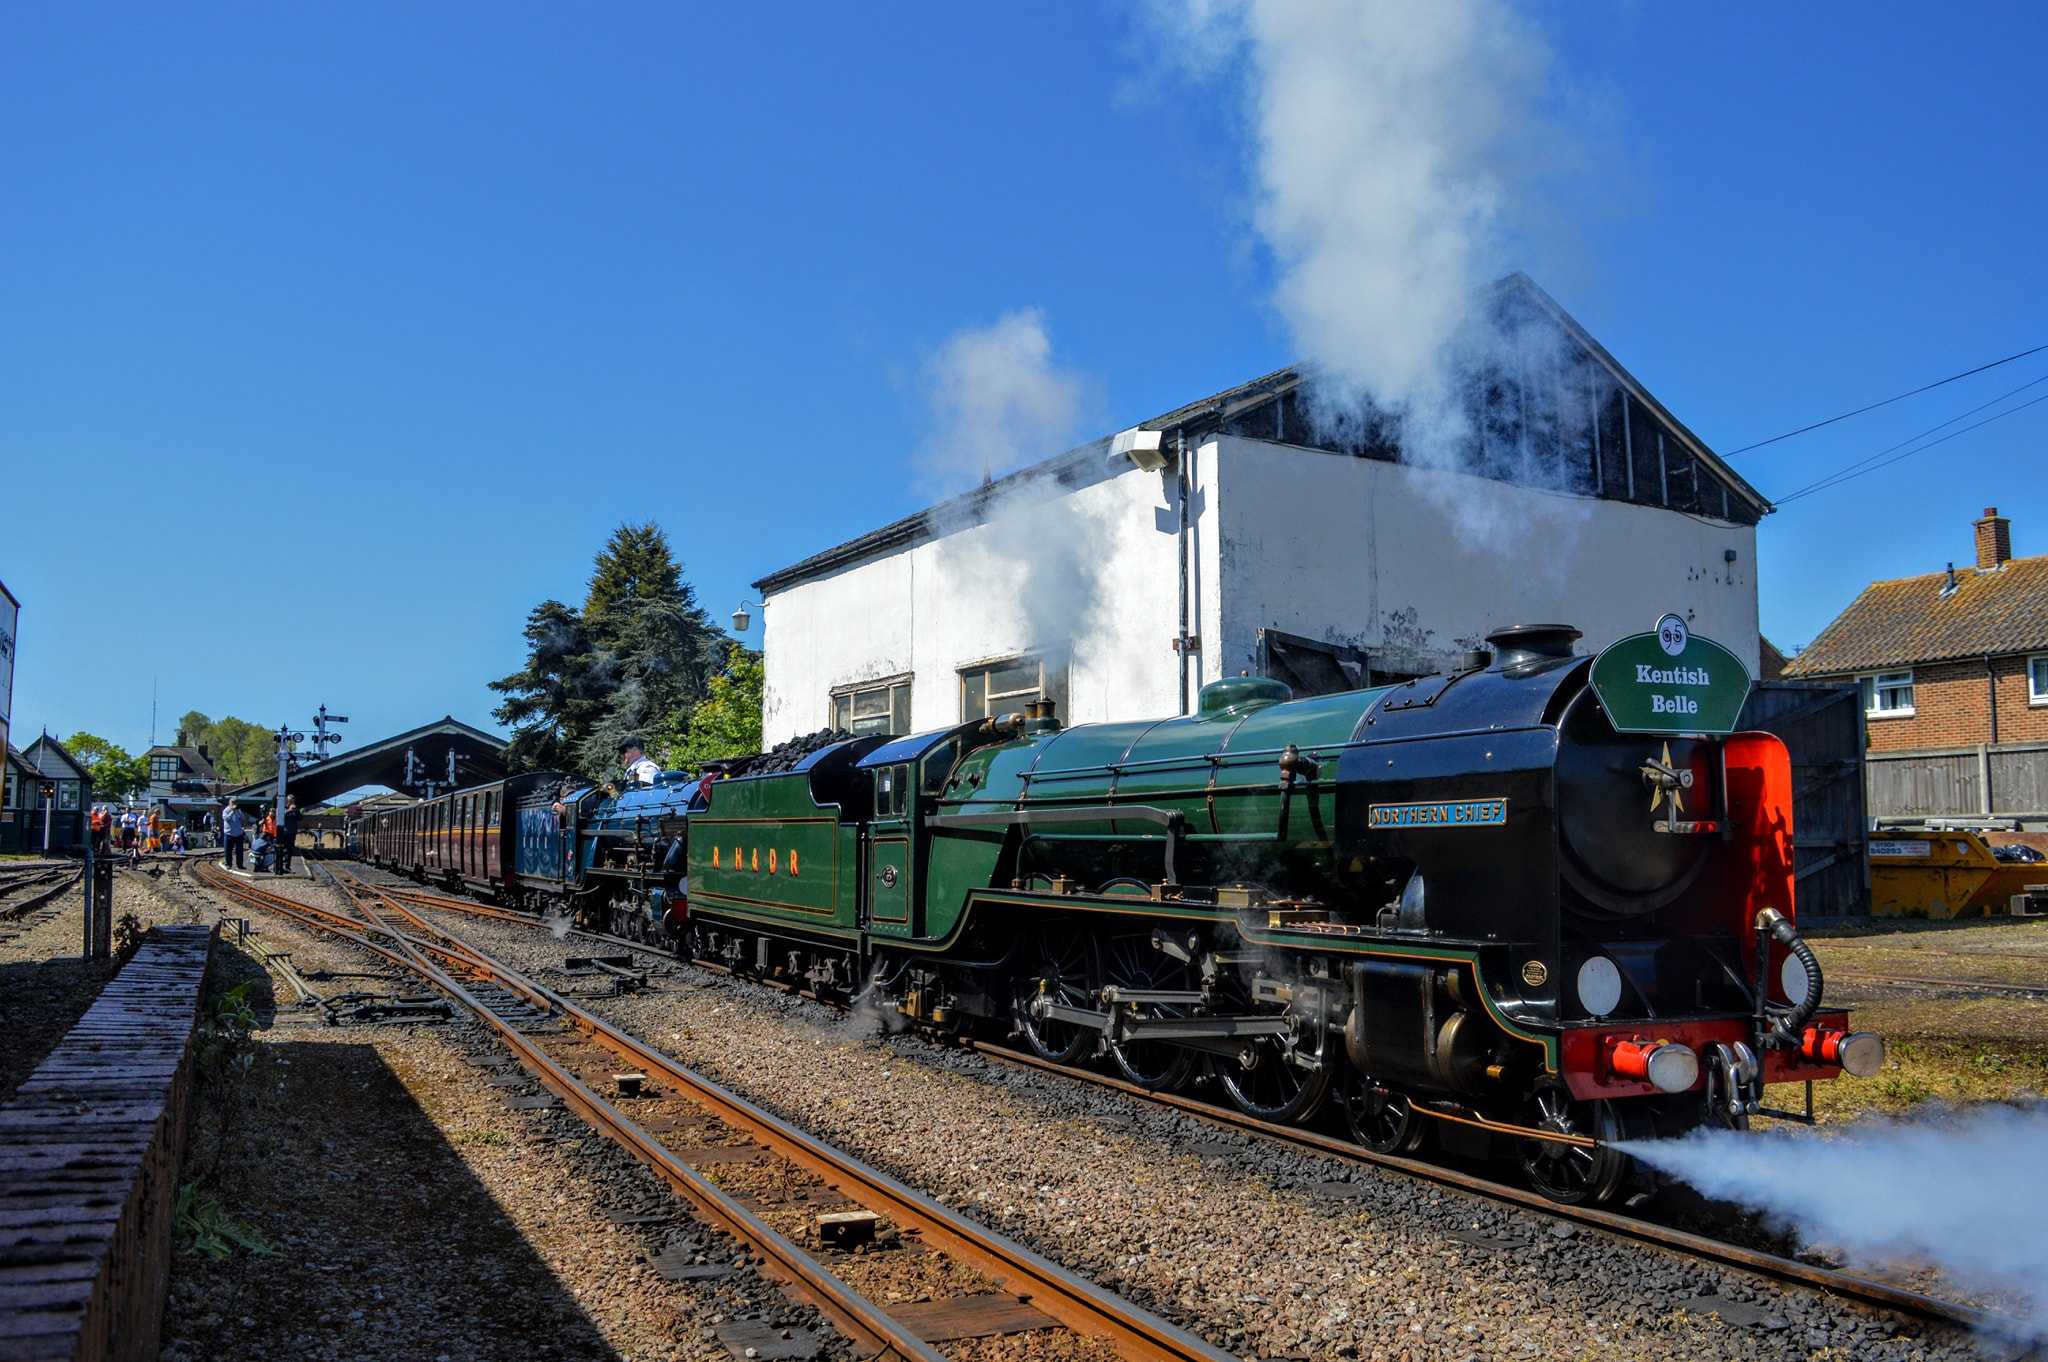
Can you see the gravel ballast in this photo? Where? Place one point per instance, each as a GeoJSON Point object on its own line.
{"type": "Point", "coordinates": [1268, 1251]}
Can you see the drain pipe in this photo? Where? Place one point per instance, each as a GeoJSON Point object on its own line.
{"type": "Point", "coordinates": [1180, 644]}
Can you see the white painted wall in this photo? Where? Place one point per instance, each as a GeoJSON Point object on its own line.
{"type": "Point", "coordinates": [1383, 556]}
{"type": "Point", "coordinates": [1090, 572]}
{"type": "Point", "coordinates": [1397, 559]}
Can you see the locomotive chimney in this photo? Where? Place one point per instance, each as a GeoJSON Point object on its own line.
{"type": "Point", "coordinates": [1519, 643]}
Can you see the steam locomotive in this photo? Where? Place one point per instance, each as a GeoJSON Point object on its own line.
{"type": "Point", "coordinates": [1476, 906]}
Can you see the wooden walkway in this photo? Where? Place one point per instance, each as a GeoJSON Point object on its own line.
{"type": "Point", "coordinates": [89, 1152]}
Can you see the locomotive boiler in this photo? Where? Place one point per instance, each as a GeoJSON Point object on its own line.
{"type": "Point", "coordinates": [1516, 906]}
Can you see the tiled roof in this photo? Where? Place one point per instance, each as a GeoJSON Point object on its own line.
{"type": "Point", "coordinates": [196, 767]}
{"type": "Point", "coordinates": [1916, 619]}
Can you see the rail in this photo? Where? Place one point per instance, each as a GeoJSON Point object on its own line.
{"type": "Point", "coordinates": [1071, 1301]}
{"type": "Point", "coordinates": [1861, 1289]}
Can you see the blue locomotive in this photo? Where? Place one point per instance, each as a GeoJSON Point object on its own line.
{"type": "Point", "coordinates": [550, 843]}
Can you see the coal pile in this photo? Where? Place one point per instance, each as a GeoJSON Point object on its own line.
{"type": "Point", "coordinates": [785, 756]}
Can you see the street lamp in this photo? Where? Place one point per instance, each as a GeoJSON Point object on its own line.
{"type": "Point", "coordinates": [741, 619]}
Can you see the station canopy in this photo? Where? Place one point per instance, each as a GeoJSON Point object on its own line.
{"type": "Point", "coordinates": [474, 756]}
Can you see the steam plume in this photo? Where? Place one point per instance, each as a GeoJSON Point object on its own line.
{"type": "Point", "coordinates": [999, 400]}
{"type": "Point", "coordinates": [1391, 145]}
{"type": "Point", "coordinates": [1968, 1192]}
{"type": "Point", "coordinates": [1025, 555]}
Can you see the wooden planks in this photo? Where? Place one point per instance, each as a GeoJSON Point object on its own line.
{"type": "Point", "coordinates": [89, 1152]}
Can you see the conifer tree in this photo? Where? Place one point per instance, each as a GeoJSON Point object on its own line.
{"type": "Point", "coordinates": [632, 662]}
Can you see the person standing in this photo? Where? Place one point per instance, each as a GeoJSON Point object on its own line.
{"type": "Point", "coordinates": [288, 835]}
{"type": "Point", "coordinates": [231, 835]}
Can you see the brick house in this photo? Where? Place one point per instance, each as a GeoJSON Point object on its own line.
{"type": "Point", "coordinates": [1953, 666]}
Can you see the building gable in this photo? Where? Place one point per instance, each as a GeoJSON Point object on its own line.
{"type": "Point", "coordinates": [1570, 419]}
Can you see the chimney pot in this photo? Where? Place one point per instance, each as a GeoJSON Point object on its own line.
{"type": "Point", "coordinates": [1994, 540]}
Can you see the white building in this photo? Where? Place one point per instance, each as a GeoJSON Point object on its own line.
{"type": "Point", "coordinates": [1329, 561]}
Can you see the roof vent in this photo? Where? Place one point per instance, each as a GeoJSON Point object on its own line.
{"type": "Point", "coordinates": [1519, 643]}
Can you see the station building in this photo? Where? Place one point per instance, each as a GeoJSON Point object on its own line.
{"type": "Point", "coordinates": [45, 762]}
{"type": "Point", "coordinates": [1319, 553]}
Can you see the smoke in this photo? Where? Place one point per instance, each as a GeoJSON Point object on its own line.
{"type": "Point", "coordinates": [1967, 1192]}
{"type": "Point", "coordinates": [558, 925]}
{"type": "Point", "coordinates": [998, 400]}
{"type": "Point", "coordinates": [1396, 148]}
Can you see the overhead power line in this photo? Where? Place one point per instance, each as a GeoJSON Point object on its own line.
{"type": "Point", "coordinates": [1952, 378]}
{"type": "Point", "coordinates": [1871, 463]}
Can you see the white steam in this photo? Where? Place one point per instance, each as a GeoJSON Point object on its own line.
{"type": "Point", "coordinates": [1968, 1193]}
{"type": "Point", "coordinates": [1026, 555]}
{"type": "Point", "coordinates": [998, 400]}
{"type": "Point", "coordinates": [1392, 147]}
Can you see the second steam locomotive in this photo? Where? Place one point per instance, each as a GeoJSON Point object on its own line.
{"type": "Point", "coordinates": [1498, 907]}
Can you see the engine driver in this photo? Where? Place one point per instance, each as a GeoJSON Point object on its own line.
{"type": "Point", "coordinates": [640, 768]}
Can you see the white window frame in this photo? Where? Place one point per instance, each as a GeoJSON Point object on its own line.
{"type": "Point", "coordinates": [2037, 679]}
{"type": "Point", "coordinates": [896, 688]}
{"type": "Point", "coordinates": [980, 703]}
{"type": "Point", "coordinates": [1875, 684]}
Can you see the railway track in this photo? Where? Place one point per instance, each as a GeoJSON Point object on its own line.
{"type": "Point", "coordinates": [566, 1049]}
{"type": "Point", "coordinates": [35, 895]}
{"type": "Point", "coordinates": [1958, 985]}
{"type": "Point", "coordinates": [1791, 1271]}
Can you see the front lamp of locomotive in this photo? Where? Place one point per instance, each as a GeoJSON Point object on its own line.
{"type": "Point", "coordinates": [1599, 986]}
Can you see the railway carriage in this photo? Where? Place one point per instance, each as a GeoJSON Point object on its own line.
{"type": "Point", "coordinates": [614, 860]}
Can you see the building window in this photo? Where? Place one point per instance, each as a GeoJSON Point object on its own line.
{"type": "Point", "coordinates": [873, 706]}
{"type": "Point", "coordinates": [2037, 680]}
{"type": "Point", "coordinates": [163, 769]}
{"type": "Point", "coordinates": [1887, 695]}
{"type": "Point", "coordinates": [67, 794]}
{"type": "Point", "coordinates": [1005, 687]}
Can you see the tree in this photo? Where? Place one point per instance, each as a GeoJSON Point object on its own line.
{"type": "Point", "coordinates": [114, 772]}
{"type": "Point", "coordinates": [632, 662]}
{"type": "Point", "coordinates": [554, 700]}
{"type": "Point", "coordinates": [727, 723]}
{"type": "Point", "coordinates": [241, 752]}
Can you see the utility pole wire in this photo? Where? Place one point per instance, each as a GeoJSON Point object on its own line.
{"type": "Point", "coordinates": [1731, 453]}
{"type": "Point", "coordinates": [1836, 479]}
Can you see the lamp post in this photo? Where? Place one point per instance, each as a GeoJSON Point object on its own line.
{"type": "Point", "coordinates": [49, 805]}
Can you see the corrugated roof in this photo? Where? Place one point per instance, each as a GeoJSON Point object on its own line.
{"type": "Point", "coordinates": [1916, 619]}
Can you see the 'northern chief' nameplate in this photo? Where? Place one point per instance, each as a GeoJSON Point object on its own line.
{"type": "Point", "coordinates": [1671, 681]}
{"type": "Point", "coordinates": [1455, 813]}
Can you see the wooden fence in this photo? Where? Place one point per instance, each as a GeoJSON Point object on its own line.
{"type": "Point", "coordinates": [2003, 780]}
{"type": "Point", "coordinates": [1822, 727]}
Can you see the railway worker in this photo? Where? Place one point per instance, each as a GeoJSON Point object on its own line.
{"type": "Point", "coordinates": [99, 829]}
{"type": "Point", "coordinates": [231, 839]}
{"type": "Point", "coordinates": [288, 833]}
{"type": "Point", "coordinates": [640, 768]}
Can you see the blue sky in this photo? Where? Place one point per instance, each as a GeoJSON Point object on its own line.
{"type": "Point", "coordinates": [334, 338]}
